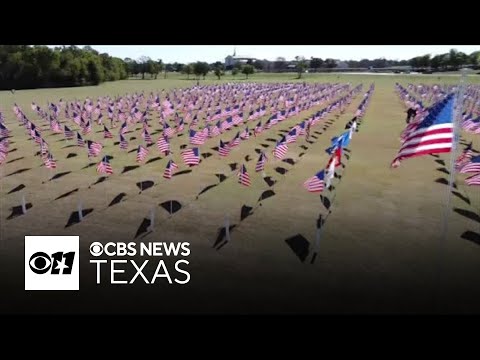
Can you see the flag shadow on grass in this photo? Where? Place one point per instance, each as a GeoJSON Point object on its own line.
{"type": "Point", "coordinates": [129, 168]}
{"type": "Point", "coordinates": [471, 236]}
{"type": "Point", "coordinates": [468, 214]}
{"type": "Point", "coordinates": [13, 160]}
{"type": "Point", "coordinates": [144, 228]}
{"type": "Point", "coordinates": [145, 185]}
{"type": "Point", "coordinates": [245, 212]}
{"type": "Point", "coordinates": [299, 245]}
{"type": "Point", "coordinates": [66, 194]}
{"type": "Point", "coordinates": [444, 182]}
{"type": "Point", "coordinates": [204, 190]}
{"type": "Point", "coordinates": [18, 211]}
{"type": "Point", "coordinates": [70, 155]}
{"type": "Point", "coordinates": [221, 240]}
{"type": "Point", "coordinates": [75, 219]}
{"type": "Point", "coordinates": [443, 170]}
{"type": "Point", "coordinates": [117, 199]}
{"type": "Point", "coordinates": [89, 166]}
{"type": "Point", "coordinates": [17, 188]}
{"type": "Point", "coordinates": [171, 206]}
{"type": "Point", "coordinates": [59, 175]}
{"type": "Point", "coordinates": [461, 197]}
{"type": "Point", "coordinates": [221, 177]}
{"type": "Point", "coordinates": [18, 172]}
{"type": "Point", "coordinates": [440, 162]}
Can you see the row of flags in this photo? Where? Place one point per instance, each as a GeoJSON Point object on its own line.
{"type": "Point", "coordinates": [323, 178]}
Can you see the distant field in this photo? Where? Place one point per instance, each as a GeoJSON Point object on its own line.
{"type": "Point", "coordinates": [379, 246]}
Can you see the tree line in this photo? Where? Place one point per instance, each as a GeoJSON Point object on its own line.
{"type": "Point", "coordinates": [453, 60]}
{"type": "Point", "coordinates": [27, 67]}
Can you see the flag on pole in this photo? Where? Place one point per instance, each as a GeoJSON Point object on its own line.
{"type": "Point", "coordinates": [471, 166]}
{"type": "Point", "coordinates": [171, 167]}
{"type": "Point", "coordinates": [104, 166]}
{"type": "Point", "coordinates": [315, 183]}
{"type": "Point", "coordinates": [433, 135]}
{"type": "Point", "coordinates": [243, 177]}
{"type": "Point", "coordinates": [49, 162]}
{"type": "Point", "coordinates": [261, 162]}
{"type": "Point", "coordinates": [142, 153]}
{"type": "Point", "coordinates": [223, 149]}
{"type": "Point", "coordinates": [191, 157]}
{"type": "Point", "coordinates": [106, 133]}
{"type": "Point", "coordinates": [123, 143]}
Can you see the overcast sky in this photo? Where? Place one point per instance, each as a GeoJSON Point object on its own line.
{"type": "Point", "coordinates": [212, 53]}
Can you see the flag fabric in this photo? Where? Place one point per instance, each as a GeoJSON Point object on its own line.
{"type": "Point", "coordinates": [88, 128]}
{"type": "Point", "coordinates": [280, 150]}
{"type": "Point", "coordinates": [142, 153]}
{"type": "Point", "coordinates": [473, 165]}
{"type": "Point", "coordinates": [106, 133]}
{"type": "Point", "coordinates": [171, 167]}
{"type": "Point", "coordinates": [223, 149]}
{"type": "Point", "coordinates": [146, 136]}
{"type": "Point", "coordinates": [196, 137]}
{"type": "Point", "coordinates": [4, 132]}
{"type": "Point", "coordinates": [68, 132]}
{"type": "Point", "coordinates": [123, 142]}
{"type": "Point", "coordinates": [191, 157]}
{"type": "Point", "coordinates": [243, 177]}
{"type": "Point", "coordinates": [163, 144]}
{"type": "Point", "coordinates": [80, 141]}
{"type": "Point", "coordinates": [235, 141]}
{"type": "Point", "coordinates": [473, 180]}
{"type": "Point", "coordinates": [167, 130]}
{"type": "Point", "coordinates": [94, 148]}
{"type": "Point", "coordinates": [433, 135]}
{"type": "Point", "coordinates": [104, 166]}
{"type": "Point", "coordinates": [330, 175]}
{"type": "Point", "coordinates": [315, 183]}
{"type": "Point", "coordinates": [337, 157]}
{"type": "Point", "coordinates": [49, 162]}
{"type": "Point", "coordinates": [261, 162]}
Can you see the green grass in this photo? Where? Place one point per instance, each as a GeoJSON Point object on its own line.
{"type": "Point", "coordinates": [379, 243]}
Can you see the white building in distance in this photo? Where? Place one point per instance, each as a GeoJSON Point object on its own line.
{"type": "Point", "coordinates": [232, 60]}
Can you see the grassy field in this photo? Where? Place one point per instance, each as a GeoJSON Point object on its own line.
{"type": "Point", "coordinates": [381, 247]}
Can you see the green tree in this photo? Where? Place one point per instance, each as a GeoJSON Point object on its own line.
{"type": "Point", "coordinates": [200, 68]}
{"type": "Point", "coordinates": [248, 70]}
{"type": "Point", "coordinates": [330, 63]}
{"type": "Point", "coordinates": [188, 69]}
{"type": "Point", "coordinates": [234, 72]}
{"type": "Point", "coordinates": [316, 63]}
{"type": "Point", "coordinates": [301, 65]}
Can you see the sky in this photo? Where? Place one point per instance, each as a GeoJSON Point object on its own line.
{"type": "Point", "coordinates": [212, 53]}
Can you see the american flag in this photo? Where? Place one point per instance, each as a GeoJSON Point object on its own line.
{"type": "Point", "coordinates": [215, 130]}
{"type": "Point", "coordinates": [104, 166]}
{"type": "Point", "coordinates": [473, 180]}
{"type": "Point", "coordinates": [433, 135]}
{"type": "Point", "coordinates": [163, 144]}
{"type": "Point", "coordinates": [94, 148]}
{"type": "Point", "coordinates": [235, 141]}
{"type": "Point", "coordinates": [223, 149]}
{"type": "Point", "coordinates": [291, 136]}
{"type": "Point", "coordinates": [88, 128]}
{"type": "Point", "coordinates": [245, 135]}
{"type": "Point", "coordinates": [100, 119]}
{"type": "Point", "coordinates": [80, 141]}
{"type": "Point", "coordinates": [146, 136]}
{"type": "Point", "coordinates": [258, 129]}
{"type": "Point", "coordinates": [280, 149]}
{"type": "Point", "coordinates": [106, 133]}
{"type": "Point", "coordinates": [196, 137]}
{"type": "Point", "coordinates": [123, 128]}
{"type": "Point", "coordinates": [171, 167]}
{"type": "Point", "coordinates": [123, 142]}
{"type": "Point", "coordinates": [68, 132]}
{"type": "Point", "coordinates": [49, 162]}
{"type": "Point", "coordinates": [261, 162]}
{"type": "Point", "coordinates": [243, 177]}
{"type": "Point", "coordinates": [3, 130]}
{"type": "Point", "coordinates": [191, 156]}
{"type": "Point", "coordinates": [142, 153]}
{"type": "Point", "coordinates": [315, 183]}
{"type": "Point", "coordinates": [472, 166]}
{"type": "Point", "coordinates": [43, 147]}
{"type": "Point", "coordinates": [167, 130]}
{"type": "Point", "coordinates": [180, 126]}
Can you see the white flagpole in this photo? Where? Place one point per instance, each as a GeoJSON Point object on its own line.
{"type": "Point", "coordinates": [227, 228]}
{"type": "Point", "coordinates": [457, 111]}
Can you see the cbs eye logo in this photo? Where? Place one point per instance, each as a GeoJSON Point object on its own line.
{"type": "Point", "coordinates": [57, 263]}
{"type": "Point", "coordinates": [52, 263]}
